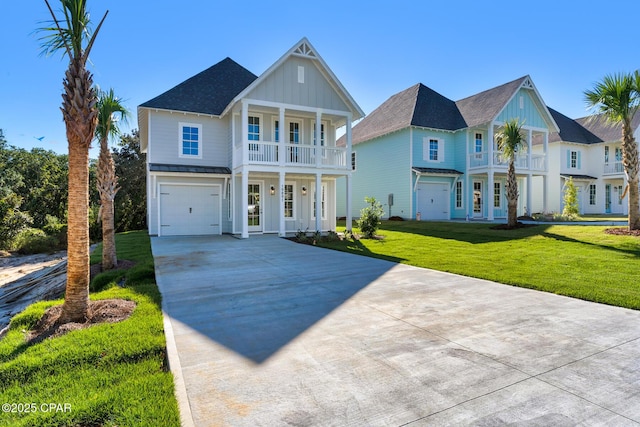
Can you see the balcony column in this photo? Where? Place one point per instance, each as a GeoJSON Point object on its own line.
{"type": "Point", "coordinates": [318, 147]}
{"type": "Point", "coordinates": [282, 148]}
{"type": "Point", "coordinates": [244, 193]}
{"type": "Point", "coordinates": [282, 229]}
{"type": "Point", "coordinates": [545, 148]}
{"type": "Point", "coordinates": [318, 212]}
{"type": "Point", "coordinates": [490, 143]}
{"type": "Point", "coordinates": [244, 132]}
{"type": "Point", "coordinates": [490, 195]}
{"type": "Point", "coordinates": [529, 149]}
{"type": "Point", "coordinates": [529, 195]}
{"type": "Point", "coordinates": [348, 145]}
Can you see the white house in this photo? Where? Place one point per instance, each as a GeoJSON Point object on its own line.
{"type": "Point", "coordinates": [232, 152]}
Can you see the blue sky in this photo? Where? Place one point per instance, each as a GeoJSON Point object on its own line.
{"type": "Point", "coordinates": [376, 49]}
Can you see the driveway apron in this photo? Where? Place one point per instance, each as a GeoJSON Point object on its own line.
{"type": "Point", "coordinates": [267, 332]}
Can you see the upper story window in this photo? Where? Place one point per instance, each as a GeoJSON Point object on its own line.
{"type": "Point", "coordinates": [322, 139]}
{"type": "Point", "coordinates": [190, 140]}
{"type": "Point", "coordinates": [478, 146]}
{"type": "Point", "coordinates": [618, 154]}
{"type": "Point", "coordinates": [294, 132]}
{"type": "Point", "coordinates": [573, 159]}
{"type": "Point", "coordinates": [606, 154]}
{"type": "Point", "coordinates": [432, 150]}
{"type": "Point", "coordinates": [353, 161]}
{"type": "Point", "coordinates": [276, 131]}
{"type": "Point", "coordinates": [253, 132]}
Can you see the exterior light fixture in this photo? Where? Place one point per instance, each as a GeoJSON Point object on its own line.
{"type": "Point", "coordinates": [272, 190]}
{"type": "Point", "coordinates": [304, 190]}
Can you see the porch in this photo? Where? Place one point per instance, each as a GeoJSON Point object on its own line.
{"type": "Point", "coordinates": [533, 162]}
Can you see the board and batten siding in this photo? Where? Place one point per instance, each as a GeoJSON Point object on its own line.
{"type": "Point", "coordinates": [283, 85]}
{"type": "Point", "coordinates": [382, 168]}
{"type": "Point", "coordinates": [165, 137]}
{"type": "Point", "coordinates": [529, 114]}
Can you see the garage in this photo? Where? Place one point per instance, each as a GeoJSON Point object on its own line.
{"type": "Point", "coordinates": [432, 200]}
{"type": "Point", "coordinates": [189, 209]}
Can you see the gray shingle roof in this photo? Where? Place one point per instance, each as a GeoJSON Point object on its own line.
{"type": "Point", "coordinates": [570, 130]}
{"type": "Point", "coordinates": [220, 170]}
{"type": "Point", "coordinates": [578, 177]}
{"type": "Point", "coordinates": [485, 106]}
{"type": "Point", "coordinates": [436, 171]}
{"type": "Point", "coordinates": [208, 92]}
{"type": "Point", "coordinates": [607, 132]}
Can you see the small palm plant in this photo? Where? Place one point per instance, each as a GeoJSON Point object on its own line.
{"type": "Point", "coordinates": [511, 141]}
{"type": "Point", "coordinates": [110, 112]}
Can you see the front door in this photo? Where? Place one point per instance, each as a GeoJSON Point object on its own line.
{"type": "Point", "coordinates": [477, 199]}
{"type": "Point", "coordinates": [607, 198]}
{"type": "Point", "coordinates": [254, 212]}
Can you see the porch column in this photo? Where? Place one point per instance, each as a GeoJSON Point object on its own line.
{"type": "Point", "coordinates": [349, 217]}
{"type": "Point", "coordinates": [232, 198]}
{"type": "Point", "coordinates": [529, 149]}
{"type": "Point", "coordinates": [244, 191]}
{"type": "Point", "coordinates": [545, 193]}
{"type": "Point", "coordinates": [281, 230]}
{"type": "Point", "coordinates": [468, 206]}
{"type": "Point", "coordinates": [529, 196]}
{"type": "Point", "coordinates": [546, 153]}
{"type": "Point", "coordinates": [282, 149]}
{"type": "Point", "coordinates": [244, 132]}
{"type": "Point", "coordinates": [490, 143]}
{"type": "Point", "coordinates": [318, 202]}
{"type": "Point", "coordinates": [490, 195]}
{"type": "Point", "coordinates": [318, 147]}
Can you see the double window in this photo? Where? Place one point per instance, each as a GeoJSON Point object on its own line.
{"type": "Point", "coordinates": [190, 140]}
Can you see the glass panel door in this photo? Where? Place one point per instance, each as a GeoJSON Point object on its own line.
{"type": "Point", "coordinates": [254, 210]}
{"type": "Point", "coordinates": [477, 198]}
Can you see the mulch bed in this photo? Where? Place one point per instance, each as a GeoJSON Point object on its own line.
{"type": "Point", "coordinates": [621, 231]}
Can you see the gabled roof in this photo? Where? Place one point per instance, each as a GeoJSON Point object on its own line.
{"type": "Point", "coordinates": [571, 130]}
{"type": "Point", "coordinates": [208, 92]}
{"type": "Point", "coordinates": [485, 106]}
{"type": "Point", "coordinates": [415, 106]}
{"type": "Point", "coordinates": [305, 49]}
{"type": "Point", "coordinates": [598, 125]}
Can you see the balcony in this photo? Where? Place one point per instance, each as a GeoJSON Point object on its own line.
{"type": "Point", "coordinates": [481, 160]}
{"type": "Point", "coordinates": [274, 154]}
{"type": "Point", "coordinates": [614, 168]}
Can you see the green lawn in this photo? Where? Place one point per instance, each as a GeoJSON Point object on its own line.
{"type": "Point", "coordinates": [106, 375]}
{"type": "Point", "coordinates": [577, 261]}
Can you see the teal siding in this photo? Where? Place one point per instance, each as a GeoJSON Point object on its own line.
{"type": "Point", "coordinates": [447, 159]}
{"type": "Point", "coordinates": [529, 113]}
{"type": "Point", "coordinates": [382, 168]}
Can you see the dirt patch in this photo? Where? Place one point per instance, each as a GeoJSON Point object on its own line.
{"type": "Point", "coordinates": [123, 264]}
{"type": "Point", "coordinates": [622, 231]}
{"type": "Point", "coordinates": [102, 311]}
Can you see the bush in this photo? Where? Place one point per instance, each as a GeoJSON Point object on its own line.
{"type": "Point", "coordinates": [35, 241]}
{"type": "Point", "coordinates": [370, 217]}
{"type": "Point", "coordinates": [571, 209]}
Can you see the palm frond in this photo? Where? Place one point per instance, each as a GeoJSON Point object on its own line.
{"type": "Point", "coordinates": [616, 96]}
{"type": "Point", "coordinates": [111, 111]}
{"type": "Point", "coordinates": [510, 139]}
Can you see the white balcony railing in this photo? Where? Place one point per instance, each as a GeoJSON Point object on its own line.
{"type": "Point", "coordinates": [479, 160]}
{"type": "Point", "coordinates": [269, 153]}
{"type": "Point", "coordinates": [613, 168]}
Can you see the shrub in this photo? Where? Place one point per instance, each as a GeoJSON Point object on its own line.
{"type": "Point", "coordinates": [570, 199]}
{"type": "Point", "coordinates": [370, 217]}
{"type": "Point", "coordinates": [34, 241]}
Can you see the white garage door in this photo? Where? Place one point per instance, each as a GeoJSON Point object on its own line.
{"type": "Point", "coordinates": [433, 201]}
{"type": "Point", "coordinates": [189, 209]}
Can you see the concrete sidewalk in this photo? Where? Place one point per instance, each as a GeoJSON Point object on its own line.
{"type": "Point", "coordinates": [267, 332]}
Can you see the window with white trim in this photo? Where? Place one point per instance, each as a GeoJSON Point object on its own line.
{"type": "Point", "coordinates": [276, 130]}
{"type": "Point", "coordinates": [574, 159]}
{"type": "Point", "coordinates": [313, 204]}
{"type": "Point", "coordinates": [253, 132]}
{"type": "Point", "coordinates": [190, 140]}
{"type": "Point", "coordinates": [459, 197]}
{"type": "Point", "coordinates": [478, 145]}
{"type": "Point", "coordinates": [322, 139]}
{"type": "Point", "coordinates": [433, 150]}
{"type": "Point", "coordinates": [289, 201]}
{"type": "Point", "coordinates": [497, 195]}
{"type": "Point", "coordinates": [592, 194]}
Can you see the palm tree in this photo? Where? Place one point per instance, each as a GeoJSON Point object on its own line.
{"type": "Point", "coordinates": [510, 141]}
{"type": "Point", "coordinates": [110, 111]}
{"type": "Point", "coordinates": [72, 35]}
{"type": "Point", "coordinates": [617, 97]}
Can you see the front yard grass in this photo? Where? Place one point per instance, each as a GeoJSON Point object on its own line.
{"type": "Point", "coordinates": [576, 261]}
{"type": "Point", "coordinates": [106, 375]}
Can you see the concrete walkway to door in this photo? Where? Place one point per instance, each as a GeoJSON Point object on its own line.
{"type": "Point", "coordinates": [266, 332]}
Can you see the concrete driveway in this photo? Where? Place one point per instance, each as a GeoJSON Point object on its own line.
{"type": "Point", "coordinates": [267, 332]}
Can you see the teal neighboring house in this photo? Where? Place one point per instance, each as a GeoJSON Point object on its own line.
{"type": "Point", "coordinates": [426, 157]}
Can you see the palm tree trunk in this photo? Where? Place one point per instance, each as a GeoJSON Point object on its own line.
{"type": "Point", "coordinates": [630, 163]}
{"type": "Point", "coordinates": [107, 182]}
{"type": "Point", "coordinates": [80, 117]}
{"type": "Point", "coordinates": [512, 195]}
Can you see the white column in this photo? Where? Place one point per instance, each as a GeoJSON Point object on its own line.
{"type": "Point", "coordinates": [349, 144]}
{"type": "Point", "coordinates": [546, 152]}
{"type": "Point", "coordinates": [318, 147]}
{"type": "Point", "coordinates": [282, 149]}
{"type": "Point", "coordinates": [490, 145]}
{"type": "Point", "coordinates": [490, 195]}
{"type": "Point", "coordinates": [244, 193]}
{"type": "Point", "coordinates": [529, 195]}
{"type": "Point", "coordinates": [349, 218]}
{"type": "Point", "coordinates": [545, 193]}
{"type": "Point", "coordinates": [244, 132]}
{"type": "Point", "coordinates": [232, 200]}
{"type": "Point", "coordinates": [282, 229]}
{"type": "Point", "coordinates": [529, 149]}
{"type": "Point", "coordinates": [318, 202]}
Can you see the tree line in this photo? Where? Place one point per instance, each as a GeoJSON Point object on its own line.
{"type": "Point", "coordinates": [34, 194]}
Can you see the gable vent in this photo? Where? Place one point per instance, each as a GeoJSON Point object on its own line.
{"type": "Point", "coordinates": [527, 84]}
{"type": "Point", "coordinates": [304, 50]}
